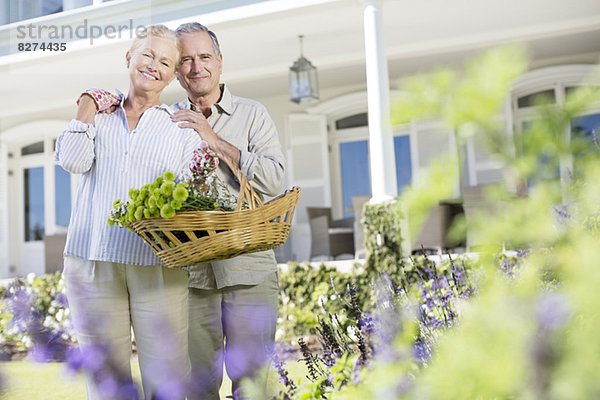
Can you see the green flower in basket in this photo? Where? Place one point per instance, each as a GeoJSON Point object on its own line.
{"type": "Point", "coordinates": [198, 220]}
{"type": "Point", "coordinates": [201, 190]}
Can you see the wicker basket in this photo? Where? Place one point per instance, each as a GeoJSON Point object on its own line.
{"type": "Point", "coordinates": [217, 235]}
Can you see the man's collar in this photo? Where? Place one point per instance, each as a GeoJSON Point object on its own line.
{"type": "Point", "coordinates": [225, 104]}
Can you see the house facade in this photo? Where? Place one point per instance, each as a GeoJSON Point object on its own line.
{"type": "Point", "coordinates": [326, 142]}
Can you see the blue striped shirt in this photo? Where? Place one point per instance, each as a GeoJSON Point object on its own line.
{"type": "Point", "coordinates": [112, 159]}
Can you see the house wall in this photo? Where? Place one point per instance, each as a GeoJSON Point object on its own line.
{"type": "Point", "coordinates": [19, 258]}
{"type": "Point", "coordinates": [4, 212]}
{"type": "Point", "coordinates": [246, 69]}
{"type": "Point", "coordinates": [24, 256]}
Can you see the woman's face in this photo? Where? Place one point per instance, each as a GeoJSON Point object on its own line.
{"type": "Point", "coordinates": [152, 64]}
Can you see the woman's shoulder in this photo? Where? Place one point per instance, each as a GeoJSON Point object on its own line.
{"type": "Point", "coordinates": [103, 119]}
{"type": "Point", "coordinates": [162, 115]}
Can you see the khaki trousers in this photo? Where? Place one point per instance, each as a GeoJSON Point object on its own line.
{"type": "Point", "coordinates": [107, 299]}
{"type": "Point", "coordinates": [234, 325]}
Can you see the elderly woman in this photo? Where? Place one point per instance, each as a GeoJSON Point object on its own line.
{"type": "Point", "coordinates": [114, 281]}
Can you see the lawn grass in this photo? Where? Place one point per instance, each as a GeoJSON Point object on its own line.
{"type": "Point", "coordinates": [29, 380]}
{"type": "Point", "coordinates": [51, 381]}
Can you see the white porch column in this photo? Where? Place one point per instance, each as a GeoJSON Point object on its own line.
{"type": "Point", "coordinates": [381, 142]}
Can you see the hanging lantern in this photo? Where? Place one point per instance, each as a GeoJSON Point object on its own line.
{"type": "Point", "coordinates": [304, 87]}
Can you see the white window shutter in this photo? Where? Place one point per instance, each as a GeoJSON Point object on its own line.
{"type": "Point", "coordinates": [308, 168]}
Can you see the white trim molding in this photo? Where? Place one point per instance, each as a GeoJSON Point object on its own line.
{"type": "Point", "coordinates": [551, 76]}
{"type": "Point", "coordinates": [345, 105]}
{"type": "Point", "coordinates": [32, 131]}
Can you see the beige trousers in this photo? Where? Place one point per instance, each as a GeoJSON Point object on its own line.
{"type": "Point", "coordinates": [234, 325]}
{"type": "Point", "coordinates": [107, 299]}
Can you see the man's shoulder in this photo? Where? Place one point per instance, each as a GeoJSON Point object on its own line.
{"type": "Point", "coordinates": [245, 103]}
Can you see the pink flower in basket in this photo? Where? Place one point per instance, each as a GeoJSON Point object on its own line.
{"type": "Point", "coordinates": [203, 165]}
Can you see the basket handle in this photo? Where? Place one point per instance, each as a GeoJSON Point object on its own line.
{"type": "Point", "coordinates": [246, 191]}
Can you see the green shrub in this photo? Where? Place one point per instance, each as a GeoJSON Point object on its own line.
{"type": "Point", "coordinates": [306, 294]}
{"type": "Point", "coordinates": [382, 237]}
{"type": "Point", "coordinates": [530, 330]}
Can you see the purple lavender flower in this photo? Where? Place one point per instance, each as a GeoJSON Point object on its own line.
{"type": "Point", "coordinates": [356, 372]}
{"type": "Point", "coordinates": [108, 386]}
{"type": "Point", "coordinates": [510, 266]}
{"type": "Point", "coordinates": [309, 360]}
{"type": "Point", "coordinates": [563, 214]}
{"type": "Point", "coordinates": [173, 384]}
{"type": "Point", "coordinates": [386, 323]}
{"type": "Point", "coordinates": [283, 375]}
{"type": "Point", "coordinates": [89, 358]}
{"type": "Point", "coordinates": [363, 328]}
{"type": "Point", "coordinates": [47, 343]}
{"type": "Point", "coordinates": [173, 389]}
{"type": "Point", "coordinates": [422, 351]}
{"type": "Point", "coordinates": [127, 390]}
{"type": "Point", "coordinates": [110, 381]}
{"type": "Point", "coordinates": [61, 299]}
{"type": "Point", "coordinates": [552, 310]}
{"type": "Point", "coordinates": [20, 304]}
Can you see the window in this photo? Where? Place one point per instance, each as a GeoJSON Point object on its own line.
{"type": "Point", "coordinates": [547, 163]}
{"type": "Point", "coordinates": [35, 148]}
{"type": "Point", "coordinates": [552, 86]}
{"type": "Point", "coordinates": [353, 121]}
{"type": "Point", "coordinates": [51, 6]}
{"type": "Point", "coordinates": [584, 137]}
{"type": "Point", "coordinates": [354, 164]}
{"type": "Point", "coordinates": [33, 182]}
{"type": "Point", "coordinates": [482, 168]}
{"type": "Point", "coordinates": [403, 161]}
{"type": "Point", "coordinates": [20, 10]}
{"type": "Point", "coordinates": [543, 97]}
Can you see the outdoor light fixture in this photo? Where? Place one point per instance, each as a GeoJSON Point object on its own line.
{"type": "Point", "coordinates": [304, 87]}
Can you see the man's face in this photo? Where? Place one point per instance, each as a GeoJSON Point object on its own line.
{"type": "Point", "coordinates": [200, 68]}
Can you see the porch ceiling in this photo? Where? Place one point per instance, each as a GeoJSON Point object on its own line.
{"type": "Point", "coordinates": [258, 50]}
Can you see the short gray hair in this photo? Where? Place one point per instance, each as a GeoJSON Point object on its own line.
{"type": "Point", "coordinates": [160, 31]}
{"type": "Point", "coordinates": [193, 27]}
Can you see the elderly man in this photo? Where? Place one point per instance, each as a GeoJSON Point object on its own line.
{"type": "Point", "coordinates": [232, 303]}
